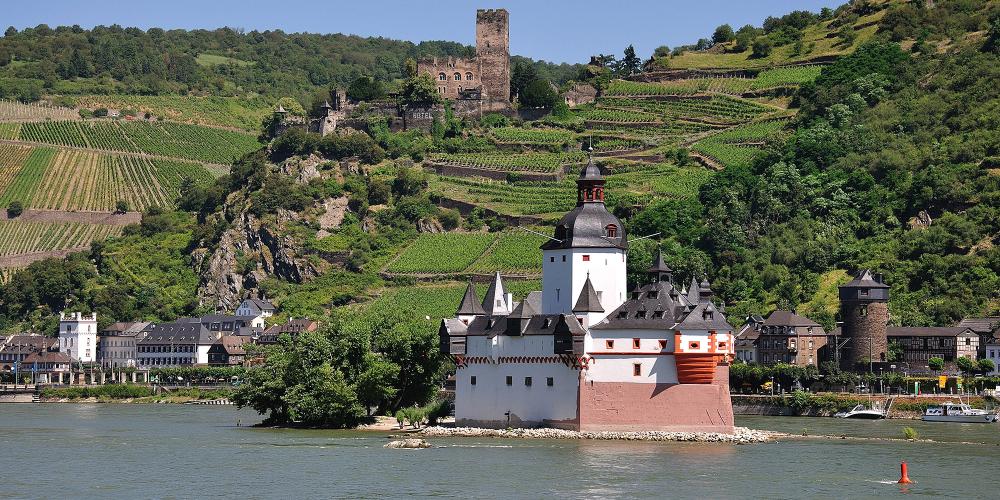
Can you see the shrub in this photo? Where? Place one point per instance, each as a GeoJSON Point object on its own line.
{"type": "Point", "coordinates": [910, 433]}
{"type": "Point", "coordinates": [449, 219]}
{"type": "Point", "coordinates": [435, 411]}
{"type": "Point", "coordinates": [121, 206]}
{"type": "Point", "coordinates": [762, 47]}
{"type": "Point", "coordinates": [15, 209]}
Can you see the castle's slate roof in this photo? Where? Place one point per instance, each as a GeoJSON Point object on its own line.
{"type": "Point", "coordinates": [654, 306]}
{"type": "Point", "coordinates": [470, 303]}
{"type": "Point", "coordinates": [183, 331]}
{"type": "Point", "coordinates": [496, 292]}
{"type": "Point", "coordinates": [864, 279]}
{"type": "Point", "coordinates": [585, 225]}
{"type": "Point", "coordinates": [788, 318]}
{"type": "Point", "coordinates": [591, 172]}
{"type": "Point", "coordinates": [588, 301]}
{"type": "Point", "coordinates": [981, 325]}
{"type": "Point", "coordinates": [659, 266]}
{"type": "Point", "coordinates": [705, 316]}
{"type": "Point", "coordinates": [926, 331]}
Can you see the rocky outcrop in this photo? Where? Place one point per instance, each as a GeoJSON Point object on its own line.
{"type": "Point", "coordinates": [302, 169]}
{"type": "Point", "coordinates": [429, 226]}
{"type": "Point", "coordinates": [407, 444]}
{"type": "Point", "coordinates": [740, 435]}
{"type": "Point", "coordinates": [248, 252]}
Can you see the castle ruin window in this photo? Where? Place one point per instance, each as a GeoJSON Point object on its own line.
{"type": "Point", "coordinates": [468, 76]}
{"type": "Point", "coordinates": [458, 76]}
{"type": "Point", "coordinates": [442, 77]}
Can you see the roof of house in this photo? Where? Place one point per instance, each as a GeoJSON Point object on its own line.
{"type": "Point", "coordinates": [47, 357]}
{"type": "Point", "coordinates": [538, 324]}
{"type": "Point", "coordinates": [232, 344]}
{"type": "Point", "coordinates": [183, 331]}
{"type": "Point", "coordinates": [659, 266]}
{"type": "Point", "coordinates": [981, 325]}
{"type": "Point", "coordinates": [864, 279]}
{"type": "Point", "coordinates": [125, 328]}
{"type": "Point", "coordinates": [262, 304]}
{"type": "Point", "coordinates": [926, 331]}
{"type": "Point", "coordinates": [27, 343]}
{"type": "Point", "coordinates": [788, 318]}
{"type": "Point", "coordinates": [654, 306]}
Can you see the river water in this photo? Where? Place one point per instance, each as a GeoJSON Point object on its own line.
{"type": "Point", "coordinates": [176, 451]}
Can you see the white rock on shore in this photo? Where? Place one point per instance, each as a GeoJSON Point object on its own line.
{"type": "Point", "coordinates": [741, 435]}
{"type": "Point", "coordinates": [407, 443]}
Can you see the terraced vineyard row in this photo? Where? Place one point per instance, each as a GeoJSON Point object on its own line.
{"type": "Point", "coordinates": [512, 251]}
{"type": "Point", "coordinates": [19, 237]}
{"type": "Point", "coordinates": [156, 138]}
{"type": "Point", "coordinates": [237, 112]}
{"type": "Point", "coordinates": [783, 77]}
{"type": "Point", "coordinates": [526, 162]}
{"type": "Point", "coordinates": [739, 146]}
{"type": "Point", "coordinates": [532, 136]}
{"type": "Point", "coordinates": [66, 179]}
{"type": "Point", "coordinates": [17, 111]}
{"type": "Point", "coordinates": [9, 131]}
{"type": "Point", "coordinates": [520, 198]}
{"type": "Point", "coordinates": [620, 116]}
{"type": "Point", "coordinates": [778, 77]}
{"type": "Point", "coordinates": [719, 108]}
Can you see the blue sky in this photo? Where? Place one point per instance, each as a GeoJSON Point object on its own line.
{"type": "Point", "coordinates": [559, 31]}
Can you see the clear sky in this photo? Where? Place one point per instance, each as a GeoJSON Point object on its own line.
{"type": "Point", "coordinates": [559, 31]}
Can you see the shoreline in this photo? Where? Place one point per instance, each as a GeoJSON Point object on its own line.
{"type": "Point", "coordinates": [740, 435]}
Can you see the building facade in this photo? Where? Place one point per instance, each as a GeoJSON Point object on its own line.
{"type": "Point", "coordinates": [17, 347]}
{"type": "Point", "coordinates": [116, 345]}
{"type": "Point", "coordinates": [485, 76]}
{"type": "Point", "coordinates": [921, 343]}
{"type": "Point", "coordinates": [255, 307]}
{"type": "Point", "coordinates": [585, 353]}
{"type": "Point", "coordinates": [184, 342]}
{"type": "Point", "coordinates": [864, 310]}
{"type": "Point", "coordinates": [786, 337]}
{"type": "Point", "coordinates": [78, 336]}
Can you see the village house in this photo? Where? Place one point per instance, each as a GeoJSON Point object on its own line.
{"type": "Point", "coordinates": [228, 350]}
{"type": "Point", "coordinates": [746, 339]}
{"type": "Point", "coordinates": [184, 342]}
{"type": "Point", "coordinates": [786, 337]}
{"type": "Point", "coordinates": [255, 307]}
{"type": "Point", "coordinates": [47, 367]}
{"type": "Point", "coordinates": [987, 328]}
{"type": "Point", "coordinates": [585, 353]}
{"type": "Point", "coordinates": [921, 343]}
{"type": "Point", "coordinates": [249, 325]}
{"type": "Point", "coordinates": [116, 344]}
{"type": "Point", "coordinates": [17, 347]}
{"type": "Point", "coordinates": [292, 327]}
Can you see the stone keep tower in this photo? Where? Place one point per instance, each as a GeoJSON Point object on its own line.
{"type": "Point", "coordinates": [864, 309]}
{"type": "Point", "coordinates": [493, 56]}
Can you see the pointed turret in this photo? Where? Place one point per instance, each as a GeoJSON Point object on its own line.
{"type": "Point", "coordinates": [693, 294]}
{"type": "Point", "coordinates": [704, 290]}
{"type": "Point", "coordinates": [496, 302]}
{"type": "Point", "coordinates": [470, 303]}
{"type": "Point", "coordinates": [660, 271]}
{"type": "Point", "coordinates": [588, 301]}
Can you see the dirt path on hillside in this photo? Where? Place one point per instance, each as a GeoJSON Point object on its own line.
{"type": "Point", "coordinates": [84, 217]}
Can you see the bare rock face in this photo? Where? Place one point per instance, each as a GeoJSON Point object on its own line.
{"type": "Point", "coordinates": [407, 444]}
{"type": "Point", "coordinates": [302, 169]}
{"type": "Point", "coordinates": [333, 215]}
{"type": "Point", "coordinates": [249, 252]}
{"type": "Point", "coordinates": [429, 226]}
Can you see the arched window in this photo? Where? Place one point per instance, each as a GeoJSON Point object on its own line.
{"type": "Point", "coordinates": [458, 76]}
{"type": "Point", "coordinates": [442, 76]}
{"type": "Point", "coordinates": [468, 76]}
{"type": "Point", "coordinates": [611, 230]}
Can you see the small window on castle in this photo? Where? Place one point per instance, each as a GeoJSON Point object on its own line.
{"type": "Point", "coordinates": [693, 345]}
{"type": "Point", "coordinates": [663, 344]}
{"type": "Point", "coordinates": [636, 370]}
{"type": "Point", "coordinates": [611, 229]}
{"type": "Point", "coordinates": [610, 344]}
{"type": "Point", "coordinates": [564, 258]}
{"type": "Point", "coordinates": [640, 314]}
{"type": "Point", "coordinates": [652, 294]}
{"type": "Point", "coordinates": [472, 380]}
{"type": "Point", "coordinates": [510, 380]}
{"type": "Point", "coordinates": [635, 343]}
{"type": "Point", "coordinates": [458, 77]}
{"type": "Point", "coordinates": [468, 76]}
{"type": "Point", "coordinates": [863, 311]}
{"type": "Point", "coordinates": [622, 314]}
{"type": "Point", "coordinates": [552, 259]}
{"type": "Point", "coordinates": [586, 258]}
{"type": "Point", "coordinates": [442, 77]}
{"type": "Point", "coordinates": [722, 345]}
{"type": "Point", "coordinates": [549, 381]}
{"type": "Point", "coordinates": [527, 381]}
{"type": "Point", "coordinates": [864, 292]}
{"type": "Point", "coordinates": [657, 314]}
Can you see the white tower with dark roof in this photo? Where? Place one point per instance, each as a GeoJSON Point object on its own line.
{"type": "Point", "coordinates": [589, 245]}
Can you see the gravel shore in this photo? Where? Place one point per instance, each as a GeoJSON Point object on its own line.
{"type": "Point", "coordinates": [741, 435]}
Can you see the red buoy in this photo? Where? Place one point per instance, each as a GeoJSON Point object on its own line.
{"type": "Point", "coordinates": [904, 477]}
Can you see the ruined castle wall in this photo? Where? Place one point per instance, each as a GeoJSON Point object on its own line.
{"type": "Point", "coordinates": [866, 325]}
{"type": "Point", "coordinates": [451, 75]}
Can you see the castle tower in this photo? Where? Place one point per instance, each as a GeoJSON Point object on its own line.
{"type": "Point", "coordinates": [864, 309]}
{"type": "Point", "coordinates": [589, 243]}
{"type": "Point", "coordinates": [493, 56]}
{"type": "Point", "coordinates": [78, 336]}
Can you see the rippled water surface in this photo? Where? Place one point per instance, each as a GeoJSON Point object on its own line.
{"type": "Point", "coordinates": [173, 451]}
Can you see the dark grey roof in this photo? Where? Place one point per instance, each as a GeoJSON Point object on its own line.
{"type": "Point", "coordinates": [262, 304]}
{"type": "Point", "coordinates": [981, 325]}
{"type": "Point", "coordinates": [658, 265]}
{"type": "Point", "coordinates": [693, 294]}
{"type": "Point", "coordinates": [182, 331]}
{"type": "Point", "coordinates": [584, 227]}
{"type": "Point", "coordinates": [926, 331]}
{"type": "Point", "coordinates": [864, 279]}
{"type": "Point", "coordinates": [496, 291]}
{"type": "Point", "coordinates": [705, 317]}
{"type": "Point", "coordinates": [704, 290]}
{"type": "Point", "coordinates": [654, 306]}
{"type": "Point", "coordinates": [788, 318]}
{"type": "Point", "coordinates": [470, 303]}
{"type": "Point", "coordinates": [588, 301]}
{"type": "Point", "coordinates": [591, 172]}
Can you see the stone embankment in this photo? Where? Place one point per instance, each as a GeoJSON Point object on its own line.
{"type": "Point", "coordinates": [741, 435]}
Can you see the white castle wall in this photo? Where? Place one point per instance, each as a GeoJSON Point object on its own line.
{"type": "Point", "coordinates": [487, 402]}
{"type": "Point", "coordinates": [607, 268]}
{"type": "Point", "coordinates": [616, 363]}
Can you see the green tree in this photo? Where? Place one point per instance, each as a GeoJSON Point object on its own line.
{"type": "Point", "coordinates": [420, 89]}
{"type": "Point", "coordinates": [15, 209]}
{"type": "Point", "coordinates": [723, 34]}
{"type": "Point", "coordinates": [630, 64]}
{"type": "Point", "coordinates": [992, 42]}
{"type": "Point", "coordinates": [538, 94]}
{"type": "Point", "coordinates": [762, 47]}
{"type": "Point", "coordinates": [985, 366]}
{"type": "Point", "coordinates": [661, 51]}
{"type": "Point", "coordinates": [967, 365]}
{"type": "Point", "coordinates": [895, 351]}
{"type": "Point", "coordinates": [365, 88]}
{"type": "Point", "coordinates": [121, 206]}
{"type": "Point", "coordinates": [935, 364]}
{"type": "Point", "coordinates": [522, 74]}
{"type": "Point", "coordinates": [375, 385]}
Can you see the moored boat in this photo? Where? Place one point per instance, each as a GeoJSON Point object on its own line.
{"type": "Point", "coordinates": [861, 411]}
{"type": "Point", "coordinates": [959, 412]}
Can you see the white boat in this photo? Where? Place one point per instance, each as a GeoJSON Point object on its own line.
{"type": "Point", "coordinates": [861, 411]}
{"type": "Point", "coordinates": [959, 412]}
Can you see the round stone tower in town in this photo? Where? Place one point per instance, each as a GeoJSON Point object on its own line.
{"type": "Point", "coordinates": [864, 309]}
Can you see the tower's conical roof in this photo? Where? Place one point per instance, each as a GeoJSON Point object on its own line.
{"type": "Point", "coordinates": [470, 303]}
{"type": "Point", "coordinates": [497, 293]}
{"type": "Point", "coordinates": [659, 266]}
{"type": "Point", "coordinates": [588, 301]}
